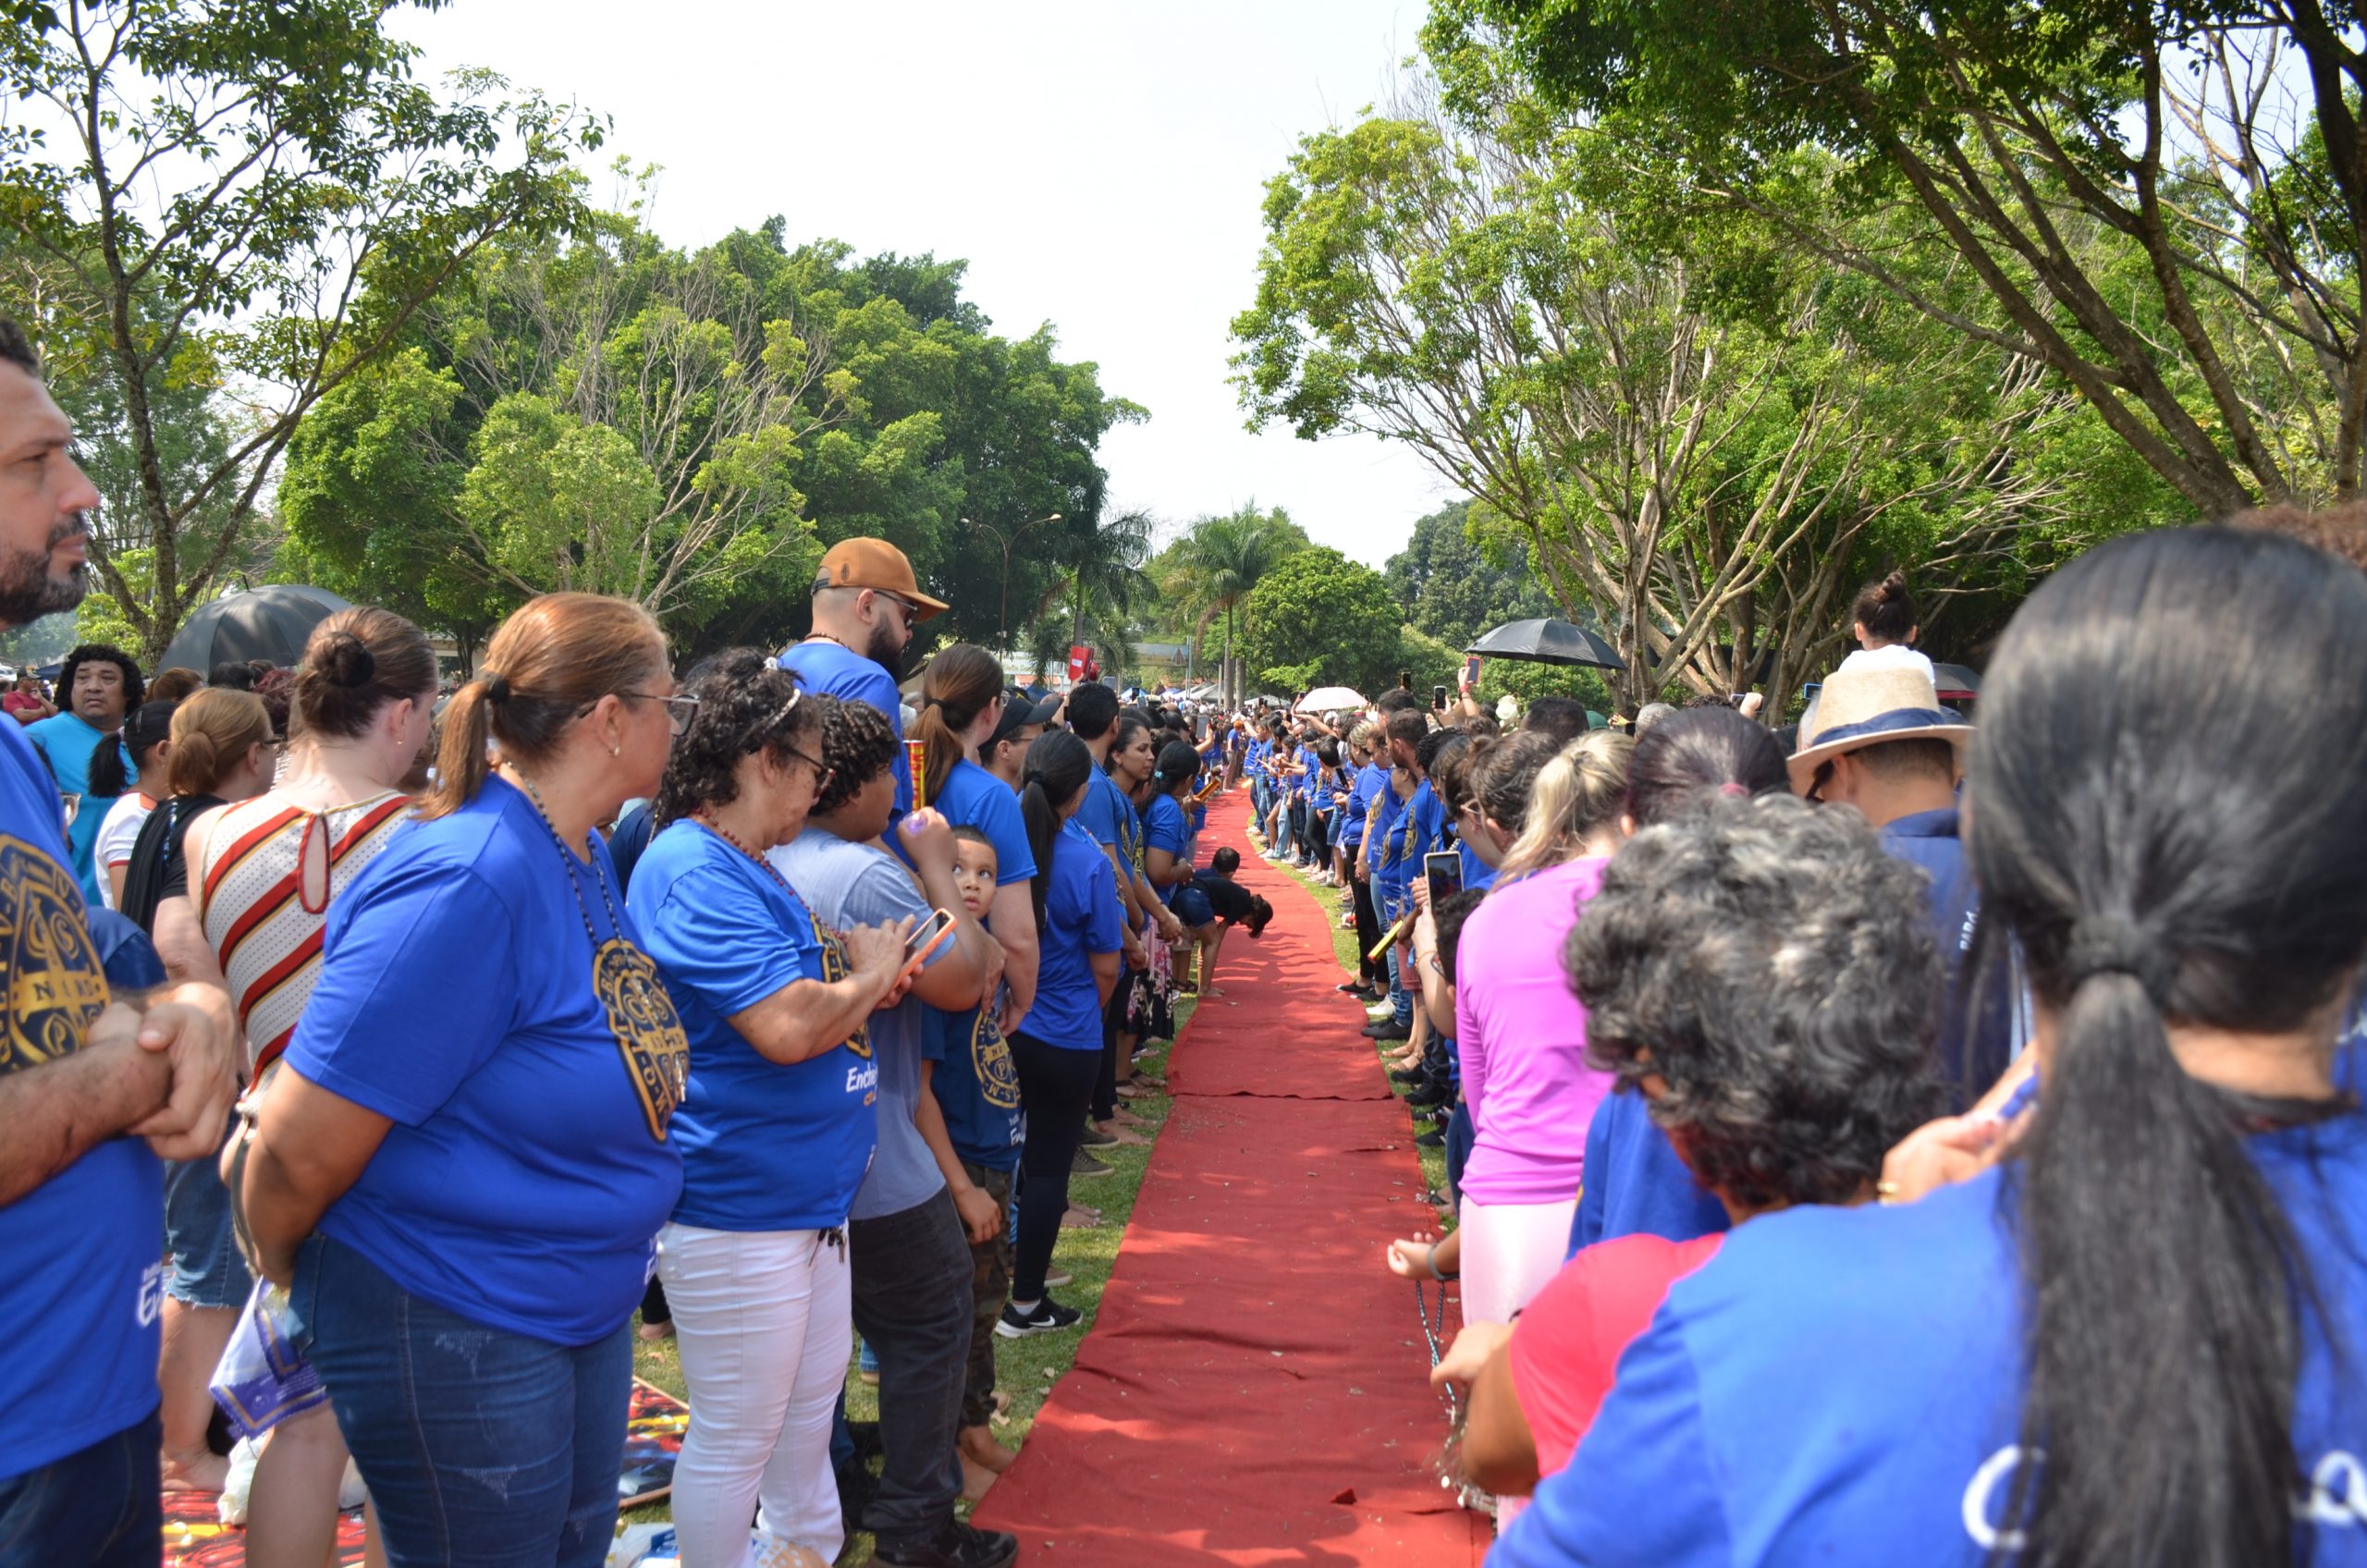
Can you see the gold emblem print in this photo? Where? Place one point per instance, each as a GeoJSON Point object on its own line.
{"type": "Point", "coordinates": [835, 968]}
{"type": "Point", "coordinates": [56, 987]}
{"type": "Point", "coordinates": [648, 1029]}
{"type": "Point", "coordinates": [990, 1057]}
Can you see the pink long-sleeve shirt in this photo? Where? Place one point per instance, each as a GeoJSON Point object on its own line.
{"type": "Point", "coordinates": [1521, 1036]}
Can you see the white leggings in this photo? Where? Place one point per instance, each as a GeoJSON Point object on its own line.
{"type": "Point", "coordinates": [1511, 1250]}
{"type": "Point", "coordinates": [762, 1319]}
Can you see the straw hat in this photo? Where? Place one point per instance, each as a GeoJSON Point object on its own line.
{"type": "Point", "coordinates": [1866, 706]}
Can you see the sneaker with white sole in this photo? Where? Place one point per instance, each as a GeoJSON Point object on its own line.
{"type": "Point", "coordinates": [1047, 1317]}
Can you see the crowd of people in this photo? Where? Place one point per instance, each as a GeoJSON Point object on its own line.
{"type": "Point", "coordinates": [1828, 1180]}
{"type": "Point", "coordinates": [569, 991]}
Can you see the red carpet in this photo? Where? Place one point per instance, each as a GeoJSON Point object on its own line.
{"type": "Point", "coordinates": [1253, 1391]}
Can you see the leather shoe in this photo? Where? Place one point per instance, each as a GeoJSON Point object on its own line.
{"type": "Point", "coordinates": [955, 1545]}
{"type": "Point", "coordinates": [1388, 1029]}
{"type": "Point", "coordinates": [1409, 1076]}
{"type": "Point", "coordinates": [1430, 1098]}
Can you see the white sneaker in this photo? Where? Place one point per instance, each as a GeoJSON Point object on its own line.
{"type": "Point", "coordinates": [1381, 1012]}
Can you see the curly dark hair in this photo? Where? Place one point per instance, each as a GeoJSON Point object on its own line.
{"type": "Point", "coordinates": [747, 704]}
{"type": "Point", "coordinates": [135, 685]}
{"type": "Point", "coordinates": [1768, 963]}
{"type": "Point", "coordinates": [858, 745]}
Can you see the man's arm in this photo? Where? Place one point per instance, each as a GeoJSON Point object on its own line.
{"type": "Point", "coordinates": [57, 1112]}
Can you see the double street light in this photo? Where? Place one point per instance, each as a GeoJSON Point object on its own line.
{"type": "Point", "coordinates": [1007, 539]}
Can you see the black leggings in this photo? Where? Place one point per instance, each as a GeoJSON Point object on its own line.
{"type": "Point", "coordinates": [1368, 930]}
{"type": "Point", "coordinates": [1054, 1086]}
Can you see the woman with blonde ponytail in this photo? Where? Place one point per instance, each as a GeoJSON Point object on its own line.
{"type": "Point", "coordinates": [461, 1165]}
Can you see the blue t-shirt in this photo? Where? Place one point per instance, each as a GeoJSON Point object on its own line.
{"type": "Point", "coordinates": [66, 742]}
{"type": "Point", "coordinates": [82, 1285]}
{"type": "Point", "coordinates": [1428, 832]}
{"type": "Point", "coordinates": [847, 885]}
{"type": "Point", "coordinates": [1477, 875]}
{"type": "Point", "coordinates": [765, 1145]}
{"type": "Point", "coordinates": [1164, 829]}
{"type": "Point", "coordinates": [530, 1078]}
{"type": "Point", "coordinates": [1302, 784]}
{"type": "Point", "coordinates": [1080, 918]}
{"type": "Point", "coordinates": [1369, 780]}
{"type": "Point", "coordinates": [1634, 1184]}
{"type": "Point", "coordinates": [1841, 1386]}
{"type": "Point", "coordinates": [836, 671]}
{"type": "Point", "coordinates": [971, 797]}
{"type": "Point", "coordinates": [1975, 1047]}
{"type": "Point", "coordinates": [1382, 821]}
{"type": "Point", "coordinates": [975, 1085]}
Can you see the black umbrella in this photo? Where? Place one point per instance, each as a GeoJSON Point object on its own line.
{"type": "Point", "coordinates": [1548, 642]}
{"type": "Point", "coordinates": [1956, 681]}
{"type": "Point", "coordinates": [270, 622]}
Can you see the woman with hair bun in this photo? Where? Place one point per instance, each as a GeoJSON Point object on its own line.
{"type": "Point", "coordinates": [246, 912]}
{"type": "Point", "coordinates": [461, 1163]}
{"type": "Point", "coordinates": [2133, 1341]}
{"type": "Point", "coordinates": [1883, 621]}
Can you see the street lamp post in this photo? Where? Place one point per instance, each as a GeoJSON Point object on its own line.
{"type": "Point", "coordinates": [1002, 614]}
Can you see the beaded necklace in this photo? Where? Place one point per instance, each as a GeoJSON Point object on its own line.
{"type": "Point", "coordinates": [730, 838]}
{"type": "Point", "coordinates": [641, 1016]}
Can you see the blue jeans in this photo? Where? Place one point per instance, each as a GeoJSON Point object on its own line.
{"type": "Point", "coordinates": [207, 1269]}
{"type": "Point", "coordinates": [479, 1446]}
{"type": "Point", "coordinates": [1281, 835]}
{"type": "Point", "coordinates": [100, 1508]}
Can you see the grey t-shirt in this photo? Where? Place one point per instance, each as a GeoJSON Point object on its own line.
{"type": "Point", "coordinates": [848, 885]}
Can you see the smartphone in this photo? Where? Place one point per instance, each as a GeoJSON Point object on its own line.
{"type": "Point", "coordinates": [1437, 697]}
{"type": "Point", "coordinates": [926, 937]}
{"type": "Point", "coordinates": [1734, 699]}
{"type": "Point", "coordinates": [1443, 870]}
{"type": "Point", "coordinates": [1471, 672]}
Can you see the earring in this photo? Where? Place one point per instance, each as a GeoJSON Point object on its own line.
{"type": "Point", "coordinates": [614, 750]}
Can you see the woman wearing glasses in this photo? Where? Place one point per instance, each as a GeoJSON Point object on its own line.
{"type": "Point", "coordinates": [776, 1126]}
{"type": "Point", "coordinates": [460, 1168]}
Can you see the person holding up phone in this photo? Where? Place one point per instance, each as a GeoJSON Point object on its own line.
{"type": "Point", "coordinates": [912, 1220]}
{"type": "Point", "coordinates": [776, 1126]}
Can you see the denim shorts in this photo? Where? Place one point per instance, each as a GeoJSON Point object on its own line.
{"type": "Point", "coordinates": [1192, 907]}
{"type": "Point", "coordinates": [207, 1268]}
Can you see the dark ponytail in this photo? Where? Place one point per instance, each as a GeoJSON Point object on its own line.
{"type": "Point", "coordinates": [150, 726]}
{"type": "Point", "coordinates": [2171, 788]}
{"type": "Point", "coordinates": [963, 681]}
{"type": "Point", "coordinates": [1177, 764]}
{"type": "Point", "coordinates": [1886, 610]}
{"type": "Point", "coordinates": [1059, 764]}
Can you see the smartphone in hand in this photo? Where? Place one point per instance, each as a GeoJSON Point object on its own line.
{"type": "Point", "coordinates": [1443, 870]}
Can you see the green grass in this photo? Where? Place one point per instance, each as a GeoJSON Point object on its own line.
{"type": "Point", "coordinates": [1025, 1369]}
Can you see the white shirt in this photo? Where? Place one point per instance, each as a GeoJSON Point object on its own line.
{"type": "Point", "coordinates": [116, 835]}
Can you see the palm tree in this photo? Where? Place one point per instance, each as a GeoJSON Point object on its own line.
{"type": "Point", "coordinates": [1101, 578]}
{"type": "Point", "coordinates": [1221, 559]}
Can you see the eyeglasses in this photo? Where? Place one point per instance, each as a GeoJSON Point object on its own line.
{"type": "Point", "coordinates": [822, 775]}
{"type": "Point", "coordinates": [679, 710]}
{"type": "Point", "coordinates": [902, 602]}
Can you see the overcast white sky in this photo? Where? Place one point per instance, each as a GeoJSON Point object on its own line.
{"type": "Point", "coordinates": [1098, 163]}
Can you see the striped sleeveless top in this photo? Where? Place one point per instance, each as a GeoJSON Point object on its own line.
{"type": "Point", "coordinates": [263, 887]}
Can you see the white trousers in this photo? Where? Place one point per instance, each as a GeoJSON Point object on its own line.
{"type": "Point", "coordinates": [1511, 1250]}
{"type": "Point", "coordinates": [762, 1320]}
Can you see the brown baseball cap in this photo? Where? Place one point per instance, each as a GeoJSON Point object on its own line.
{"type": "Point", "coordinates": [876, 564]}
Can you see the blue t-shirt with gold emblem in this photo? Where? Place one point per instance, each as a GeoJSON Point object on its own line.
{"type": "Point", "coordinates": [530, 1068]}
{"type": "Point", "coordinates": [765, 1145]}
{"type": "Point", "coordinates": [84, 1283]}
{"type": "Point", "coordinates": [975, 1085]}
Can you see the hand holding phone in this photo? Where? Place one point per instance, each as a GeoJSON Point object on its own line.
{"type": "Point", "coordinates": [1443, 870]}
{"type": "Point", "coordinates": [935, 931]}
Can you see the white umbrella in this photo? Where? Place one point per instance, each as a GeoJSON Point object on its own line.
{"type": "Point", "coordinates": [1330, 699]}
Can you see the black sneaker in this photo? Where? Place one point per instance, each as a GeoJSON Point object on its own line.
{"type": "Point", "coordinates": [1430, 1098]}
{"type": "Point", "coordinates": [1430, 1140]}
{"type": "Point", "coordinates": [1086, 1165]}
{"type": "Point", "coordinates": [1353, 988]}
{"type": "Point", "coordinates": [1047, 1317]}
{"type": "Point", "coordinates": [956, 1546]}
{"type": "Point", "coordinates": [1094, 1138]}
{"type": "Point", "coordinates": [1389, 1029]}
{"type": "Point", "coordinates": [1409, 1076]}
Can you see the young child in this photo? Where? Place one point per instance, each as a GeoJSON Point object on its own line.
{"type": "Point", "coordinates": [1234, 905]}
{"type": "Point", "coordinates": [966, 1066]}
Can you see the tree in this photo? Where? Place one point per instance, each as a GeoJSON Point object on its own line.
{"type": "Point", "coordinates": [254, 199]}
{"type": "Point", "coordinates": [1707, 437]}
{"type": "Point", "coordinates": [2215, 149]}
{"type": "Point", "coordinates": [1454, 581]}
{"type": "Point", "coordinates": [1319, 618]}
{"type": "Point", "coordinates": [1095, 602]}
{"type": "Point", "coordinates": [1217, 565]}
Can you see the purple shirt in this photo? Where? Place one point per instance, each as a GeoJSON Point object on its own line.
{"type": "Point", "coordinates": [1521, 1036]}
